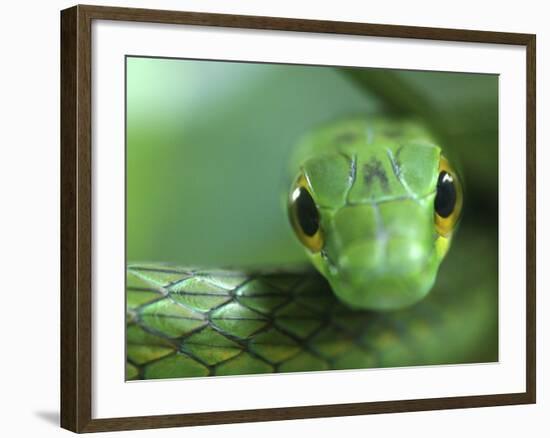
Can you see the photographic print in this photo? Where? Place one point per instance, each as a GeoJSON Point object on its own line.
{"type": "Point", "coordinates": [298, 218]}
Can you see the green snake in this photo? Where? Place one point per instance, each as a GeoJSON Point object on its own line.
{"type": "Point", "coordinates": [375, 203]}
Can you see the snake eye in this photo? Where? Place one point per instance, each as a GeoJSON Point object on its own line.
{"type": "Point", "coordinates": [304, 216]}
{"type": "Point", "coordinates": [448, 199]}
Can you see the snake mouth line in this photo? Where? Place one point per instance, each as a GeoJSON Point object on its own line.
{"type": "Point", "coordinates": [333, 268]}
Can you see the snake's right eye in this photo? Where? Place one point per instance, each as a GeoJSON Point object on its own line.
{"type": "Point", "coordinates": [448, 199]}
{"type": "Point", "coordinates": [304, 216]}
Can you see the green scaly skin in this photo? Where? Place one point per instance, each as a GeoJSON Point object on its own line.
{"type": "Point", "coordinates": [185, 322]}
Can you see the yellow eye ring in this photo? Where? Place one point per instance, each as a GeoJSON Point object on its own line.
{"type": "Point", "coordinates": [304, 215]}
{"type": "Point", "coordinates": [448, 200]}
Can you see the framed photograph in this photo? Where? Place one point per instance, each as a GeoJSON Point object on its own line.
{"type": "Point", "coordinates": [269, 218]}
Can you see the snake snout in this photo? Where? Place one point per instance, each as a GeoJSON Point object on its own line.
{"type": "Point", "coordinates": [398, 257]}
{"type": "Point", "coordinates": [384, 275]}
{"type": "Point", "coordinates": [382, 255]}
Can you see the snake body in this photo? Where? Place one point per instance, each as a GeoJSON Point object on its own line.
{"type": "Point", "coordinates": [364, 203]}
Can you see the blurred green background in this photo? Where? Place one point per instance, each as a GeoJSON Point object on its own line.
{"type": "Point", "coordinates": [208, 145]}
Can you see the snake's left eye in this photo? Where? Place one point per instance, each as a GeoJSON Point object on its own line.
{"type": "Point", "coordinates": [304, 216]}
{"type": "Point", "coordinates": [448, 199]}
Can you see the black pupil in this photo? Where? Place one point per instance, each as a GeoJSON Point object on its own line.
{"type": "Point", "coordinates": [445, 199]}
{"type": "Point", "coordinates": [307, 213]}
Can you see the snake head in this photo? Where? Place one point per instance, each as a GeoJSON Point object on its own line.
{"type": "Point", "coordinates": [377, 219]}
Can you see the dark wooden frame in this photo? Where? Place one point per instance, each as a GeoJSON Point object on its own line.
{"type": "Point", "coordinates": [76, 219]}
